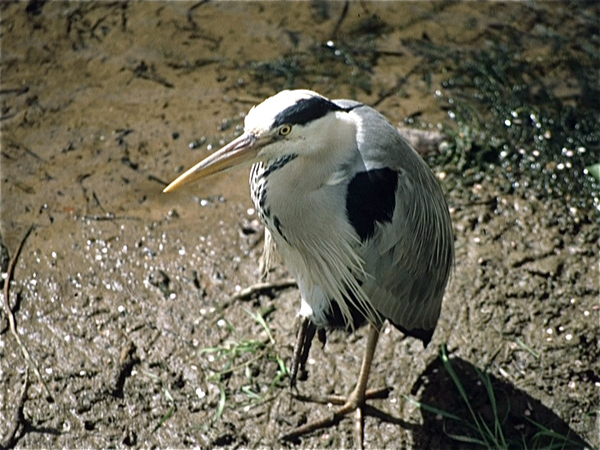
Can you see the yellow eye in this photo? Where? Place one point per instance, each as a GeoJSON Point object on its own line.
{"type": "Point", "coordinates": [284, 130]}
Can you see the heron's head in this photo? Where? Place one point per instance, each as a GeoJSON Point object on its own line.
{"type": "Point", "coordinates": [297, 122]}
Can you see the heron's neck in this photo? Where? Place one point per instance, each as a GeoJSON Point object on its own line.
{"type": "Point", "coordinates": [295, 192]}
{"type": "Point", "coordinates": [314, 166]}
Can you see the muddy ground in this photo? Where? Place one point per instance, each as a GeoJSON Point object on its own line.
{"type": "Point", "coordinates": [125, 297]}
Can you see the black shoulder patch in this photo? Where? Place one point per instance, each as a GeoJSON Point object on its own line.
{"type": "Point", "coordinates": [371, 198]}
{"type": "Point", "coordinates": [305, 110]}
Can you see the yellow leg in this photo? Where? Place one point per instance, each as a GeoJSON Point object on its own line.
{"type": "Point", "coordinates": [354, 402]}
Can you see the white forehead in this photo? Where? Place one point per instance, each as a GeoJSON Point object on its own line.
{"type": "Point", "coordinates": [261, 117]}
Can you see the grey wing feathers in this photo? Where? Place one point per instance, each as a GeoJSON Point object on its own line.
{"type": "Point", "coordinates": [410, 257]}
{"type": "Point", "coordinates": [410, 261]}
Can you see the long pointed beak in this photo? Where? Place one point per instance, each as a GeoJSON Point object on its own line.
{"type": "Point", "coordinates": [237, 152]}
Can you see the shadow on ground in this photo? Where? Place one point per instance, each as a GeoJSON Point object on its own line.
{"type": "Point", "coordinates": [494, 413]}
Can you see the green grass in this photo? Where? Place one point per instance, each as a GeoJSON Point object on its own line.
{"type": "Point", "coordinates": [492, 433]}
{"type": "Point", "coordinates": [236, 357]}
{"type": "Point", "coordinates": [169, 398]}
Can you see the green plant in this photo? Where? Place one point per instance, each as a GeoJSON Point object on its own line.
{"type": "Point", "coordinates": [492, 433]}
{"type": "Point", "coordinates": [238, 355]}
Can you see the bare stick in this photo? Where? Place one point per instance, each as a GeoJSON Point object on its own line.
{"type": "Point", "coordinates": [248, 292]}
{"type": "Point", "coordinates": [11, 318]}
{"type": "Point", "coordinates": [127, 361]}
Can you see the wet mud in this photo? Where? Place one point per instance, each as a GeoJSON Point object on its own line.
{"type": "Point", "coordinates": [129, 302]}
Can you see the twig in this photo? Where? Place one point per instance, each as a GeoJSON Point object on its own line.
{"type": "Point", "coordinates": [98, 202]}
{"type": "Point", "coordinates": [7, 116]}
{"type": "Point", "coordinates": [109, 216]}
{"type": "Point", "coordinates": [17, 91]}
{"type": "Point", "coordinates": [338, 24]}
{"type": "Point", "coordinates": [158, 180]}
{"type": "Point", "coordinates": [148, 72]}
{"type": "Point", "coordinates": [11, 318]}
{"type": "Point", "coordinates": [127, 361]}
{"type": "Point", "coordinates": [258, 288]}
{"type": "Point", "coordinates": [11, 437]}
{"type": "Point", "coordinates": [190, 14]}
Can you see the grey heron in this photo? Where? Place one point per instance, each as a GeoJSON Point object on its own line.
{"type": "Point", "coordinates": [356, 215]}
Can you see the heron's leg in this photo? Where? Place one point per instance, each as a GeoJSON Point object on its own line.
{"type": "Point", "coordinates": [306, 333]}
{"type": "Point", "coordinates": [354, 402]}
{"type": "Point", "coordinates": [357, 397]}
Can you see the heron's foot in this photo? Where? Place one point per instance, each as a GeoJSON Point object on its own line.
{"type": "Point", "coordinates": [353, 403]}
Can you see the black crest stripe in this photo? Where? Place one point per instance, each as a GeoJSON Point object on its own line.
{"type": "Point", "coordinates": [305, 110]}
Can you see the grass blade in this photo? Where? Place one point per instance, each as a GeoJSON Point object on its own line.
{"type": "Point", "coordinates": [221, 405]}
{"type": "Point", "coordinates": [432, 409]}
{"type": "Point", "coordinates": [164, 418]}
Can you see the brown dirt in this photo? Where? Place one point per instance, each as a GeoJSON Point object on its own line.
{"type": "Point", "coordinates": [120, 288]}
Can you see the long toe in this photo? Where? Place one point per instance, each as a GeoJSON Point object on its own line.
{"type": "Point", "coordinates": [326, 422]}
{"type": "Point", "coordinates": [331, 420]}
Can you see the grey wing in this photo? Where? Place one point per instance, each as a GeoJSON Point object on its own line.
{"type": "Point", "coordinates": [410, 256]}
{"type": "Point", "coordinates": [410, 259]}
